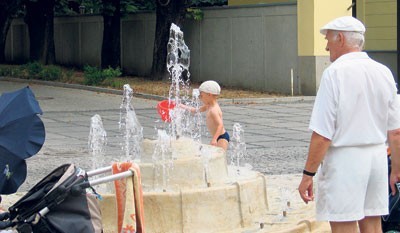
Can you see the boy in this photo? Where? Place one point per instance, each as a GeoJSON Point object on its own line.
{"type": "Point", "coordinates": [209, 91]}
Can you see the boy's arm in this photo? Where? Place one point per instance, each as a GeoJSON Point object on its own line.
{"type": "Point", "coordinates": [192, 109]}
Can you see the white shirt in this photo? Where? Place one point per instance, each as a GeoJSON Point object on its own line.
{"type": "Point", "coordinates": [356, 103]}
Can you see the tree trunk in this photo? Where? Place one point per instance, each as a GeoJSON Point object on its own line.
{"type": "Point", "coordinates": [40, 20]}
{"type": "Point", "coordinates": [7, 9]}
{"type": "Point", "coordinates": [111, 48]}
{"type": "Point", "coordinates": [167, 12]}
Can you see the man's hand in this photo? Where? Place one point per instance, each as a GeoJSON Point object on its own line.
{"type": "Point", "coordinates": [394, 178]}
{"type": "Point", "coordinates": [394, 145]}
{"type": "Point", "coordinates": [306, 189]}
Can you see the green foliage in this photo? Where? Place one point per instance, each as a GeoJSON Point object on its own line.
{"type": "Point", "coordinates": [34, 69]}
{"type": "Point", "coordinates": [92, 75]}
{"type": "Point", "coordinates": [50, 73]}
{"type": "Point", "coordinates": [18, 72]}
{"type": "Point", "coordinates": [194, 13]}
{"type": "Point", "coordinates": [62, 7]}
{"type": "Point", "coordinates": [5, 71]}
{"type": "Point", "coordinates": [206, 3]}
{"type": "Point", "coordinates": [144, 5]}
{"type": "Point", "coordinates": [96, 76]}
{"type": "Point", "coordinates": [111, 73]}
{"type": "Point", "coordinates": [111, 82]}
{"type": "Point", "coordinates": [92, 6]}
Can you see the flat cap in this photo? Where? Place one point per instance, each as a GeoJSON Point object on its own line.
{"type": "Point", "coordinates": [345, 23]}
{"type": "Point", "coordinates": [211, 87]}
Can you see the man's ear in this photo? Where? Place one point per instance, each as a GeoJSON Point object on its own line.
{"type": "Point", "coordinates": [341, 38]}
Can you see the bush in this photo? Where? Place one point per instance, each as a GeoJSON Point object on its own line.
{"type": "Point", "coordinates": [95, 76]}
{"type": "Point", "coordinates": [34, 69]}
{"type": "Point", "coordinates": [92, 75]}
{"type": "Point", "coordinates": [5, 71]}
{"type": "Point", "coordinates": [111, 82]}
{"type": "Point", "coordinates": [12, 71]}
{"type": "Point", "coordinates": [18, 72]}
{"type": "Point", "coordinates": [111, 73]}
{"type": "Point", "coordinates": [50, 73]}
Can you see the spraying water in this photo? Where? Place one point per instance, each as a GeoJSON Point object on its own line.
{"type": "Point", "coordinates": [178, 61]}
{"type": "Point", "coordinates": [193, 121]}
{"type": "Point", "coordinates": [238, 146]}
{"type": "Point", "coordinates": [197, 120]}
{"type": "Point", "coordinates": [97, 142]}
{"type": "Point", "coordinates": [130, 127]}
{"type": "Point", "coordinates": [162, 160]}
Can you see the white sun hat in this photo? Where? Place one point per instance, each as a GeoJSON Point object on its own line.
{"type": "Point", "coordinates": [211, 87]}
{"type": "Point", "coordinates": [345, 23]}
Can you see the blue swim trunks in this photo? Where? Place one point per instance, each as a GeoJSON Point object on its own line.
{"type": "Point", "coordinates": [224, 136]}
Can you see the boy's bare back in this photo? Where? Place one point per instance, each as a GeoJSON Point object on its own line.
{"type": "Point", "coordinates": [214, 118]}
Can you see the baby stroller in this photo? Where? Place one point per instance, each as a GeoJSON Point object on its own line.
{"type": "Point", "coordinates": [391, 222]}
{"type": "Point", "coordinates": [62, 202]}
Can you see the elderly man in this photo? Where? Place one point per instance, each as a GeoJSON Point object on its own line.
{"type": "Point", "coordinates": [356, 111]}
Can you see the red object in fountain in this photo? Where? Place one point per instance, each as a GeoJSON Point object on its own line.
{"type": "Point", "coordinates": [163, 108]}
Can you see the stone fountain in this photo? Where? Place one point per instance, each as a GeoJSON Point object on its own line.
{"type": "Point", "coordinates": [188, 186]}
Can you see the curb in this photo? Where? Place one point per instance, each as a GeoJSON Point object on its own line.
{"type": "Point", "coordinates": [81, 87]}
{"type": "Point", "coordinates": [289, 99]}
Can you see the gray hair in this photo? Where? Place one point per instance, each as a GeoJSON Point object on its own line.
{"type": "Point", "coordinates": [353, 39]}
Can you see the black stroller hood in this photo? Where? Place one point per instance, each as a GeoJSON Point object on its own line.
{"type": "Point", "coordinates": [57, 204]}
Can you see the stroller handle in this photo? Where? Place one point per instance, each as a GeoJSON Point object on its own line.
{"type": "Point", "coordinates": [78, 189]}
{"type": "Point", "coordinates": [99, 171]}
{"type": "Point", "coordinates": [107, 179]}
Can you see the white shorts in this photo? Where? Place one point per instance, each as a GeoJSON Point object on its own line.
{"type": "Point", "coordinates": [352, 183]}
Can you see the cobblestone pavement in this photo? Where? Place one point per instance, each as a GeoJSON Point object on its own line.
{"type": "Point", "coordinates": [275, 130]}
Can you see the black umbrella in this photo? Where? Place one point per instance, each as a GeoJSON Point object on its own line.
{"type": "Point", "coordinates": [22, 135]}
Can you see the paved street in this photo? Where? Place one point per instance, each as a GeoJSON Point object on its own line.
{"type": "Point", "coordinates": [275, 130]}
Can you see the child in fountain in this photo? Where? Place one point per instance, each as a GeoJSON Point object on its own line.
{"type": "Point", "coordinates": [209, 92]}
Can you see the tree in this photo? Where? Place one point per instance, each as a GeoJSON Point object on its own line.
{"type": "Point", "coordinates": [8, 8]}
{"type": "Point", "coordinates": [168, 12]}
{"type": "Point", "coordinates": [112, 12]}
{"type": "Point", "coordinates": [40, 20]}
{"type": "Point", "coordinates": [111, 48]}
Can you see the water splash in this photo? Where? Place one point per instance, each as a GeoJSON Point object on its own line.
{"type": "Point", "coordinates": [193, 121]}
{"type": "Point", "coordinates": [197, 120]}
{"type": "Point", "coordinates": [162, 160]}
{"type": "Point", "coordinates": [97, 142]}
{"type": "Point", "coordinates": [130, 128]}
{"type": "Point", "coordinates": [238, 146]}
{"type": "Point", "coordinates": [178, 62]}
